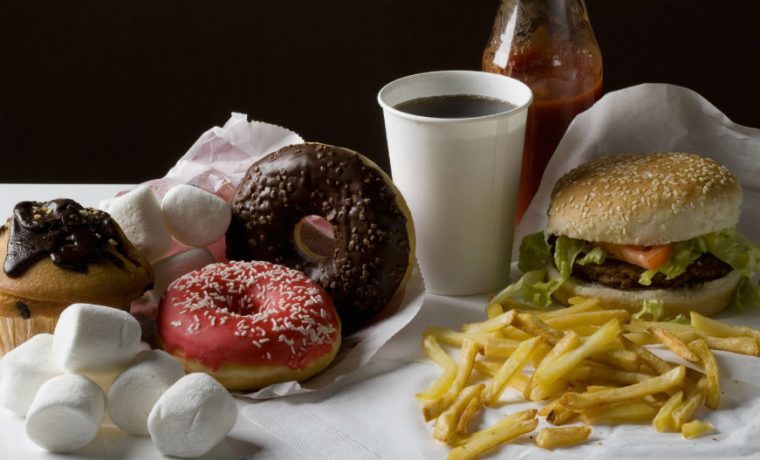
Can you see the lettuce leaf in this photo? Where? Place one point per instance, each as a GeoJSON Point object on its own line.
{"type": "Point", "coordinates": [747, 296]}
{"type": "Point", "coordinates": [594, 256]}
{"type": "Point", "coordinates": [651, 310]}
{"type": "Point", "coordinates": [532, 288]}
{"type": "Point", "coordinates": [566, 250]}
{"type": "Point", "coordinates": [734, 249]}
{"type": "Point", "coordinates": [534, 252]}
{"type": "Point", "coordinates": [727, 245]}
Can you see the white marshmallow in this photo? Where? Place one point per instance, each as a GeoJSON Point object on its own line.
{"type": "Point", "coordinates": [170, 268]}
{"type": "Point", "coordinates": [95, 339]}
{"type": "Point", "coordinates": [138, 213]}
{"type": "Point", "coordinates": [194, 216]}
{"type": "Point", "coordinates": [66, 413]}
{"type": "Point", "coordinates": [25, 369]}
{"type": "Point", "coordinates": [136, 390]}
{"type": "Point", "coordinates": [192, 416]}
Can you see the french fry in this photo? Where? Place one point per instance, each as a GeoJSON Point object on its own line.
{"type": "Point", "coordinates": [561, 415]}
{"type": "Point", "coordinates": [640, 338]}
{"type": "Point", "coordinates": [455, 338]}
{"type": "Point", "coordinates": [446, 424]}
{"type": "Point", "coordinates": [511, 366]}
{"type": "Point", "coordinates": [473, 408]}
{"type": "Point", "coordinates": [432, 409]}
{"type": "Point", "coordinates": [582, 330]}
{"type": "Point", "coordinates": [490, 325]}
{"type": "Point", "coordinates": [575, 300]}
{"type": "Point", "coordinates": [539, 353]}
{"type": "Point", "coordinates": [593, 318]}
{"type": "Point", "coordinates": [652, 386]}
{"type": "Point", "coordinates": [674, 344]}
{"type": "Point", "coordinates": [718, 329]}
{"type": "Point", "coordinates": [695, 429]}
{"type": "Point", "coordinates": [602, 373]}
{"type": "Point", "coordinates": [487, 368]}
{"type": "Point", "coordinates": [494, 309]}
{"type": "Point", "coordinates": [710, 366]}
{"type": "Point", "coordinates": [658, 364]}
{"type": "Point", "coordinates": [627, 412]}
{"type": "Point", "coordinates": [534, 326]}
{"type": "Point", "coordinates": [663, 421]}
{"type": "Point", "coordinates": [569, 341]}
{"type": "Point", "coordinates": [433, 350]}
{"type": "Point", "coordinates": [551, 438]}
{"type": "Point", "coordinates": [440, 357]}
{"type": "Point", "coordinates": [741, 345]}
{"type": "Point", "coordinates": [513, 333]}
{"type": "Point", "coordinates": [502, 431]}
{"type": "Point", "coordinates": [694, 400]}
{"type": "Point", "coordinates": [519, 381]}
{"type": "Point", "coordinates": [586, 305]}
{"type": "Point", "coordinates": [625, 360]}
{"type": "Point", "coordinates": [548, 374]}
{"type": "Point", "coordinates": [637, 325]}
{"type": "Point", "coordinates": [686, 336]}
{"type": "Point", "coordinates": [499, 348]}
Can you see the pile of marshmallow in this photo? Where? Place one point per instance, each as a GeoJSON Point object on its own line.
{"type": "Point", "coordinates": [65, 383]}
{"type": "Point", "coordinates": [189, 215]}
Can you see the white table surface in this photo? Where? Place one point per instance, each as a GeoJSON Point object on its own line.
{"type": "Point", "coordinates": [346, 411]}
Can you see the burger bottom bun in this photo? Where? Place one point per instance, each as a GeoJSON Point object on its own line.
{"type": "Point", "coordinates": [707, 298]}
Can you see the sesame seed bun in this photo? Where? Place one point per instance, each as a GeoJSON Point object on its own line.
{"type": "Point", "coordinates": [645, 199]}
{"type": "Point", "coordinates": [707, 298]}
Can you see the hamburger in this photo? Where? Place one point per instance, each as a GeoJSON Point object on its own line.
{"type": "Point", "coordinates": [652, 233]}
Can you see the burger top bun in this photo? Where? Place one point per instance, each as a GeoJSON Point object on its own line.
{"type": "Point", "coordinates": [645, 199]}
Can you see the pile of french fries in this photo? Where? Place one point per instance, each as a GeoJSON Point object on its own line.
{"type": "Point", "coordinates": [584, 364]}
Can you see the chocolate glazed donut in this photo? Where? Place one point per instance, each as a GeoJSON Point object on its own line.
{"type": "Point", "coordinates": [374, 236]}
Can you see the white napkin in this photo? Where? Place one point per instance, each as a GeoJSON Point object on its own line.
{"type": "Point", "coordinates": [374, 414]}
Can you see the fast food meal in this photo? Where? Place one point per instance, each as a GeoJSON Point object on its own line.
{"type": "Point", "coordinates": [581, 372]}
{"type": "Point", "coordinates": [249, 324]}
{"type": "Point", "coordinates": [646, 230]}
{"type": "Point", "coordinates": [57, 253]}
{"type": "Point", "coordinates": [373, 252]}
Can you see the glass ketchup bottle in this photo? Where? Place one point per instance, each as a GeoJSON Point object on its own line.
{"type": "Point", "coordinates": [550, 46]}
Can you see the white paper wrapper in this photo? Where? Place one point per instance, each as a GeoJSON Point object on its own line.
{"type": "Point", "coordinates": [654, 118]}
{"type": "Point", "coordinates": [379, 416]}
{"type": "Point", "coordinates": [219, 159]}
{"type": "Point", "coordinates": [217, 163]}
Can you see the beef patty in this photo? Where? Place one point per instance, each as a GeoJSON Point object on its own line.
{"type": "Point", "coordinates": [617, 274]}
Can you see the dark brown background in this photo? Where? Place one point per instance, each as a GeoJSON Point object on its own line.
{"type": "Point", "coordinates": [116, 91]}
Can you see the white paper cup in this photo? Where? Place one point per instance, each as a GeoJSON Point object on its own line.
{"type": "Point", "coordinates": [459, 176]}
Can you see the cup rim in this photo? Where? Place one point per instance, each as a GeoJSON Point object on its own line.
{"type": "Point", "coordinates": [481, 74]}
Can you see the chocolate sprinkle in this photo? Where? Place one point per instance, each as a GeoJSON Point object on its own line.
{"type": "Point", "coordinates": [72, 236]}
{"type": "Point", "coordinates": [371, 255]}
{"type": "Point", "coordinates": [23, 310]}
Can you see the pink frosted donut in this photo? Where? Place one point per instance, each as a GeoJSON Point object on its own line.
{"type": "Point", "coordinates": [249, 324]}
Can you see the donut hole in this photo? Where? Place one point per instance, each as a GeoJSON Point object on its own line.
{"type": "Point", "coordinates": [314, 238]}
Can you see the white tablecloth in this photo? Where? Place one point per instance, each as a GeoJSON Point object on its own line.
{"type": "Point", "coordinates": [372, 414]}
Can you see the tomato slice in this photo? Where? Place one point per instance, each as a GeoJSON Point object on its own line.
{"type": "Point", "coordinates": [649, 257]}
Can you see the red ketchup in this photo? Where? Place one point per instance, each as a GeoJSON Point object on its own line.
{"type": "Point", "coordinates": [549, 45]}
